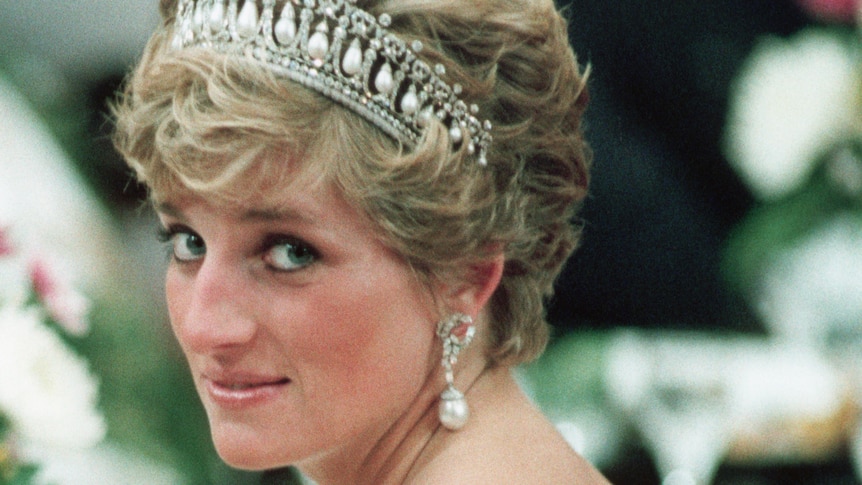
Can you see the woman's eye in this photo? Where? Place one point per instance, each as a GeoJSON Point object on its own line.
{"type": "Point", "coordinates": [290, 255]}
{"type": "Point", "coordinates": [186, 246]}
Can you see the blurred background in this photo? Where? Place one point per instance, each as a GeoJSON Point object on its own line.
{"type": "Point", "coordinates": [709, 329]}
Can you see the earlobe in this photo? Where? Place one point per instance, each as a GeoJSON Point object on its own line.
{"type": "Point", "coordinates": [473, 291]}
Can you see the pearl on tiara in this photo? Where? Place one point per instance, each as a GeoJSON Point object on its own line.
{"type": "Point", "coordinates": [346, 54]}
{"type": "Point", "coordinates": [246, 23]}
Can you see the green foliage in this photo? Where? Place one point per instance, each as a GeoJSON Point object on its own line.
{"type": "Point", "coordinates": [21, 475]}
{"type": "Point", "coordinates": [5, 427]}
{"type": "Point", "coordinates": [12, 471]}
{"type": "Point", "coordinates": [146, 393]}
{"type": "Point", "coordinates": [570, 372]}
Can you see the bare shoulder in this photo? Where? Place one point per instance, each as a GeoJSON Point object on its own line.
{"type": "Point", "coordinates": [506, 441]}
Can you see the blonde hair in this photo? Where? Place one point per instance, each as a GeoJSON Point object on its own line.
{"type": "Point", "coordinates": [198, 120]}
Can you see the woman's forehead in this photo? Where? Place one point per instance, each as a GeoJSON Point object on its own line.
{"type": "Point", "coordinates": [252, 194]}
{"type": "Point", "coordinates": [252, 169]}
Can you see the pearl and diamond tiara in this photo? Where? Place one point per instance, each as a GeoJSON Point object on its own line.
{"type": "Point", "coordinates": [346, 54]}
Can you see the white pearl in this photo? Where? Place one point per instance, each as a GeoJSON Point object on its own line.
{"type": "Point", "coordinates": [425, 117]}
{"type": "Point", "coordinates": [455, 134]}
{"type": "Point", "coordinates": [454, 411]}
{"type": "Point", "coordinates": [246, 23]}
{"type": "Point", "coordinates": [352, 62]}
{"type": "Point", "coordinates": [384, 82]}
{"type": "Point", "coordinates": [198, 22]}
{"type": "Point", "coordinates": [409, 103]}
{"type": "Point", "coordinates": [216, 19]}
{"type": "Point", "coordinates": [318, 44]}
{"type": "Point", "coordinates": [285, 28]}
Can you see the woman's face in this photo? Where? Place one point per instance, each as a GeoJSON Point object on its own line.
{"type": "Point", "coordinates": [305, 335]}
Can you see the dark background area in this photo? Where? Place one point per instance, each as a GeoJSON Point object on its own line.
{"type": "Point", "coordinates": [663, 196]}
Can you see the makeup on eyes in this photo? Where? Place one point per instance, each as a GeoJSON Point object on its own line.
{"type": "Point", "coordinates": [181, 243]}
{"type": "Point", "coordinates": [297, 253]}
{"type": "Point", "coordinates": [281, 252]}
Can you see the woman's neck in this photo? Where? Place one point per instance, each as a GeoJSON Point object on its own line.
{"type": "Point", "coordinates": [389, 457]}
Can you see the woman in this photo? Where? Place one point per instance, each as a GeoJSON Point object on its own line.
{"type": "Point", "coordinates": [351, 190]}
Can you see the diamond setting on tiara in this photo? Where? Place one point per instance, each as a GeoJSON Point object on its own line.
{"type": "Point", "coordinates": [344, 53]}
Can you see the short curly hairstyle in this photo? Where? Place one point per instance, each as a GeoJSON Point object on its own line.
{"type": "Point", "coordinates": [198, 120]}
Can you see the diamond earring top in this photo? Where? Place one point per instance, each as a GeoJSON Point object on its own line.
{"type": "Point", "coordinates": [344, 53]}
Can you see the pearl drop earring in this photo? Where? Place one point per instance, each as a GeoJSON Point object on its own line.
{"type": "Point", "coordinates": [456, 332]}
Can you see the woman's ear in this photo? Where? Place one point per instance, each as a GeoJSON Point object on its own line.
{"type": "Point", "coordinates": [471, 292]}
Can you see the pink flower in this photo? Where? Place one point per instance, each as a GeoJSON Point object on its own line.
{"type": "Point", "coordinates": [844, 11]}
{"type": "Point", "coordinates": [6, 246]}
{"type": "Point", "coordinates": [65, 306]}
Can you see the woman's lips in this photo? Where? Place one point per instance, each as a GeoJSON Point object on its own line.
{"type": "Point", "coordinates": [243, 391]}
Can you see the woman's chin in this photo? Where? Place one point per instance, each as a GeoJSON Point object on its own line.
{"type": "Point", "coordinates": [246, 451]}
{"type": "Point", "coordinates": [246, 459]}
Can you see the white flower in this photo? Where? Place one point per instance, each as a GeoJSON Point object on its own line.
{"type": "Point", "coordinates": [14, 281]}
{"type": "Point", "coordinates": [813, 293]}
{"type": "Point", "coordinates": [45, 389]}
{"type": "Point", "coordinates": [791, 102]}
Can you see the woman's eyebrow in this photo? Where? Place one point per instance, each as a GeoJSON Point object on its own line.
{"type": "Point", "coordinates": [261, 214]}
{"type": "Point", "coordinates": [274, 214]}
{"type": "Point", "coordinates": [168, 209]}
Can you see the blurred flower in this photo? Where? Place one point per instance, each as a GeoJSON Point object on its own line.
{"type": "Point", "coordinates": [5, 246]}
{"type": "Point", "coordinates": [65, 306]}
{"type": "Point", "coordinates": [25, 276]}
{"type": "Point", "coordinates": [832, 10]}
{"type": "Point", "coordinates": [47, 394]}
{"type": "Point", "coordinates": [13, 275]}
{"type": "Point", "coordinates": [46, 390]}
{"type": "Point", "coordinates": [793, 102]}
{"type": "Point", "coordinates": [812, 293]}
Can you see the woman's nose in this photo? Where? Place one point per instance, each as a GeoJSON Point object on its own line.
{"type": "Point", "coordinates": [212, 309]}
